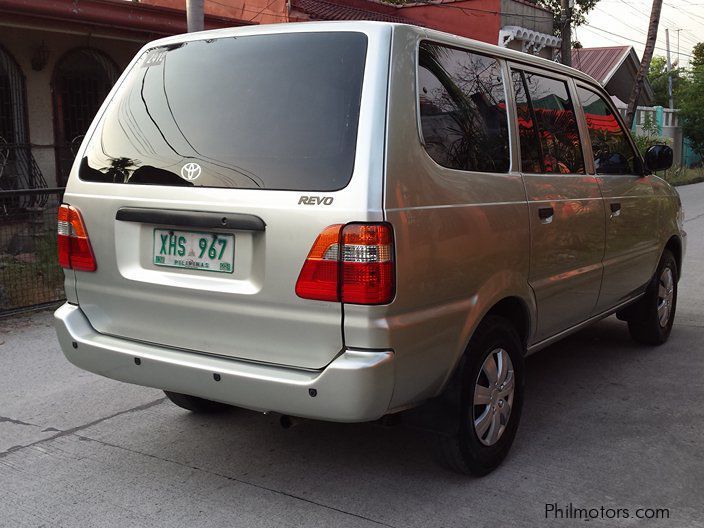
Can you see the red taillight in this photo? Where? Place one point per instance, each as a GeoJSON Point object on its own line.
{"type": "Point", "coordinates": [352, 264]}
{"type": "Point", "coordinates": [74, 247]}
{"type": "Point", "coordinates": [367, 264]}
{"type": "Point", "coordinates": [320, 274]}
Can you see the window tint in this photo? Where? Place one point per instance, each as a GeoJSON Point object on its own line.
{"type": "Point", "coordinates": [531, 157]}
{"type": "Point", "coordinates": [613, 153]}
{"type": "Point", "coordinates": [548, 128]}
{"type": "Point", "coordinates": [263, 111]}
{"type": "Point", "coordinates": [462, 109]}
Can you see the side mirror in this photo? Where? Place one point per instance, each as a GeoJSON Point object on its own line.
{"type": "Point", "coordinates": [658, 158]}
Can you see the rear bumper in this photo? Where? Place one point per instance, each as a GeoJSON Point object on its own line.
{"type": "Point", "coordinates": [357, 386]}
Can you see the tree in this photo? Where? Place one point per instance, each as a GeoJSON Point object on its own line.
{"type": "Point", "coordinates": [657, 76]}
{"type": "Point", "coordinates": [645, 63]}
{"type": "Point", "coordinates": [579, 12]}
{"type": "Point", "coordinates": [697, 56]}
{"type": "Point", "coordinates": [566, 15]}
{"type": "Point", "coordinates": [692, 109]}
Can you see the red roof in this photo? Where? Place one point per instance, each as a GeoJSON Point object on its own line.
{"type": "Point", "coordinates": [600, 63]}
{"type": "Point", "coordinates": [326, 10]}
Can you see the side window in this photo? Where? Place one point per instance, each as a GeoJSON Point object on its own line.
{"type": "Point", "coordinates": [462, 109]}
{"type": "Point", "coordinates": [531, 151]}
{"type": "Point", "coordinates": [613, 153]}
{"type": "Point", "coordinates": [548, 128]}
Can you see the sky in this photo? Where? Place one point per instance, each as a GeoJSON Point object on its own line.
{"type": "Point", "coordinates": [623, 22]}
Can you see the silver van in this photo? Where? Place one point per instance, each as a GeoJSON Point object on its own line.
{"type": "Point", "coordinates": [341, 221]}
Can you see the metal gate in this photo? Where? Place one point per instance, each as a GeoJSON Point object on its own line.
{"type": "Point", "coordinates": [82, 79]}
{"type": "Point", "coordinates": [18, 170]}
{"type": "Point", "coordinates": [30, 275]}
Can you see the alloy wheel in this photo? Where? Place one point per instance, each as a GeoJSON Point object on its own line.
{"type": "Point", "coordinates": [493, 397]}
{"type": "Point", "coordinates": [666, 293]}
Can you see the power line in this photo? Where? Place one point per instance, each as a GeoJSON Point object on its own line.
{"type": "Point", "coordinates": [694, 36]}
{"type": "Point", "coordinates": [230, 6]}
{"type": "Point", "coordinates": [620, 21]}
{"type": "Point", "coordinates": [262, 10]}
{"type": "Point", "coordinates": [469, 11]}
{"type": "Point", "coordinates": [672, 24]}
{"type": "Point", "coordinates": [685, 11]}
{"type": "Point", "coordinates": [642, 13]}
{"type": "Point", "coordinates": [669, 21]}
{"type": "Point", "coordinates": [629, 39]}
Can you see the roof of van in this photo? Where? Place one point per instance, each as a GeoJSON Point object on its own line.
{"type": "Point", "coordinates": [362, 25]}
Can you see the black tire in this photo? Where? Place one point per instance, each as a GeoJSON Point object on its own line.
{"type": "Point", "coordinates": [644, 320]}
{"type": "Point", "coordinates": [197, 405]}
{"type": "Point", "coordinates": [458, 445]}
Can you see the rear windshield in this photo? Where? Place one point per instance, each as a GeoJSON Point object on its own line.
{"type": "Point", "coordinates": [264, 111]}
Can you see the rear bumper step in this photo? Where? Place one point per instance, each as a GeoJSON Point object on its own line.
{"type": "Point", "coordinates": [357, 386]}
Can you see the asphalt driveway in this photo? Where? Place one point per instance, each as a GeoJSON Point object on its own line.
{"type": "Point", "coordinates": [606, 423]}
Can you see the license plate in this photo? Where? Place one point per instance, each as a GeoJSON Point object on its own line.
{"type": "Point", "coordinates": [194, 250]}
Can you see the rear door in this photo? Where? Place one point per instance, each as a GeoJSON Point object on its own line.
{"type": "Point", "coordinates": [565, 205]}
{"type": "Point", "coordinates": [208, 178]}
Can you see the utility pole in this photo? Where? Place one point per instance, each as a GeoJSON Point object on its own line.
{"type": "Point", "coordinates": [645, 63]}
{"type": "Point", "coordinates": [195, 18]}
{"type": "Point", "coordinates": [669, 69]}
{"type": "Point", "coordinates": [566, 31]}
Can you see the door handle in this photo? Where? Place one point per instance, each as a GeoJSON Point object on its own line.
{"type": "Point", "coordinates": [615, 209]}
{"type": "Point", "coordinates": [546, 214]}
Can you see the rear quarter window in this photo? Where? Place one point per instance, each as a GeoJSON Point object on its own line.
{"type": "Point", "coordinates": [462, 109]}
{"type": "Point", "coordinates": [264, 111]}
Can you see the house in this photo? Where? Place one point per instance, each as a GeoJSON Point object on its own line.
{"type": "Point", "coordinates": [517, 24]}
{"type": "Point", "coordinates": [615, 67]}
{"type": "Point", "coordinates": [59, 58]}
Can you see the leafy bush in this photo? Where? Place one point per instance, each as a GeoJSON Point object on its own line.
{"type": "Point", "coordinates": [681, 175]}
{"type": "Point", "coordinates": [644, 142]}
{"type": "Point", "coordinates": [650, 136]}
{"type": "Point", "coordinates": [692, 110]}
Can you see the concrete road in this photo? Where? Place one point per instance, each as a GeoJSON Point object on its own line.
{"type": "Point", "coordinates": [606, 423]}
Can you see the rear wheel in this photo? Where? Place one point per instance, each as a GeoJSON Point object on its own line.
{"type": "Point", "coordinates": [651, 318]}
{"type": "Point", "coordinates": [195, 404]}
{"type": "Point", "coordinates": [485, 408]}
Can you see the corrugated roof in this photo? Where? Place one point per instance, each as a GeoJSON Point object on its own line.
{"type": "Point", "coordinates": [321, 10]}
{"type": "Point", "coordinates": [423, 3]}
{"type": "Point", "coordinates": [600, 63]}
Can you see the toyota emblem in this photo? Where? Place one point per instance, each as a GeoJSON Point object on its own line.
{"type": "Point", "coordinates": [190, 171]}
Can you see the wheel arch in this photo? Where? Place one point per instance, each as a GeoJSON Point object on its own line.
{"type": "Point", "coordinates": [514, 309]}
{"type": "Point", "coordinates": [674, 246]}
